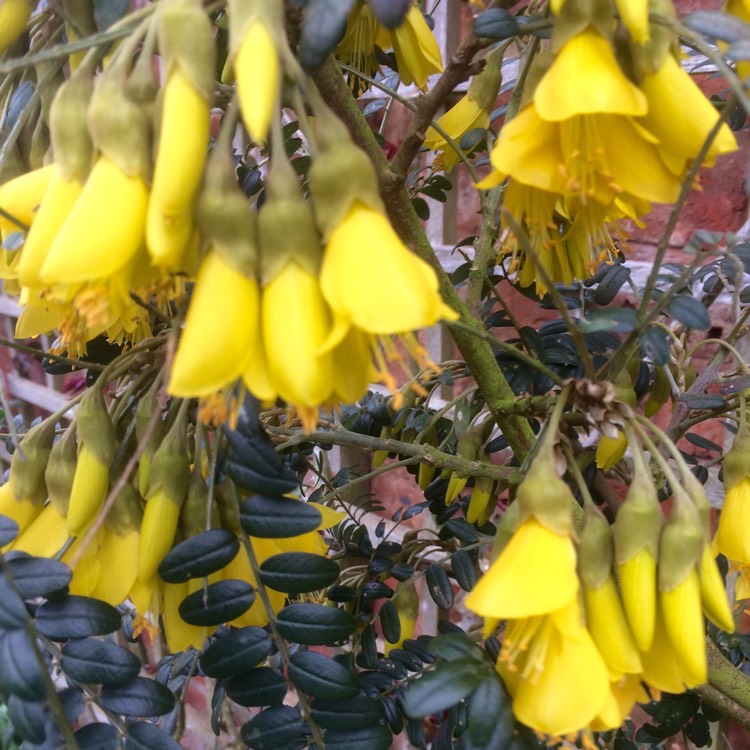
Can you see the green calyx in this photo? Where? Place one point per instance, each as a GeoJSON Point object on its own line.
{"type": "Point", "coordinates": [485, 86]}
{"type": "Point", "coordinates": [225, 217]}
{"type": "Point", "coordinates": [71, 143]}
{"type": "Point", "coordinates": [595, 549]}
{"type": "Point", "coordinates": [737, 460]}
{"type": "Point", "coordinates": [193, 515]}
{"type": "Point", "coordinates": [576, 16]}
{"type": "Point", "coordinates": [95, 429]}
{"type": "Point", "coordinates": [29, 462]}
{"type": "Point", "coordinates": [170, 467]}
{"type": "Point", "coordinates": [126, 513]}
{"type": "Point", "coordinates": [681, 544]}
{"type": "Point", "coordinates": [61, 468]}
{"type": "Point", "coordinates": [186, 41]}
{"type": "Point", "coordinates": [243, 13]}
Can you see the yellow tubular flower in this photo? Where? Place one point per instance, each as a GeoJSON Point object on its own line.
{"type": "Point", "coordinates": [464, 116]}
{"type": "Point", "coordinates": [45, 536]}
{"type": "Point", "coordinates": [634, 14]}
{"type": "Point", "coordinates": [88, 567]}
{"type": "Point", "coordinates": [89, 491]}
{"type": "Point", "coordinates": [160, 519]}
{"type": "Point", "coordinates": [353, 370]}
{"type": "Point", "coordinates": [624, 694]}
{"type": "Point", "coordinates": [608, 626]}
{"type": "Point", "coordinates": [714, 593]}
{"type": "Point", "coordinates": [296, 323]}
{"type": "Point", "coordinates": [610, 450]}
{"type": "Point", "coordinates": [564, 682]}
{"type": "Point", "coordinates": [681, 117]}
{"type": "Point", "coordinates": [14, 15]}
{"type": "Point", "coordinates": [118, 559]}
{"type": "Point", "coordinates": [732, 539]}
{"type": "Point", "coordinates": [661, 664]}
{"type": "Point", "coordinates": [178, 170]}
{"type": "Point", "coordinates": [398, 293]}
{"type": "Point", "coordinates": [683, 621]}
{"type": "Point", "coordinates": [21, 196]}
{"type": "Point", "coordinates": [585, 78]}
{"type": "Point", "coordinates": [258, 70]}
{"type": "Point", "coordinates": [741, 9]}
{"type": "Point", "coordinates": [534, 574]}
{"type": "Point", "coordinates": [218, 341]}
{"type": "Point", "coordinates": [638, 586]}
{"type": "Point", "coordinates": [103, 231]}
{"type": "Point", "coordinates": [179, 635]}
{"type": "Point", "coordinates": [23, 511]}
{"type": "Point", "coordinates": [416, 49]}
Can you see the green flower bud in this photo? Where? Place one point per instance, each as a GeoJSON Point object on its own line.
{"type": "Point", "coordinates": [27, 467]}
{"type": "Point", "coordinates": [61, 469]}
{"type": "Point", "coordinates": [595, 549]}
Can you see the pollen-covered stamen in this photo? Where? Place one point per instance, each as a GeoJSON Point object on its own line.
{"type": "Point", "coordinates": [216, 409]}
{"type": "Point", "coordinates": [518, 635]}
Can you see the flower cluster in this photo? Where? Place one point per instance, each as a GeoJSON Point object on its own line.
{"type": "Point", "coordinates": [592, 146]}
{"type": "Point", "coordinates": [589, 622]}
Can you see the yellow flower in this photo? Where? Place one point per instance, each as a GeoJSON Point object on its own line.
{"type": "Point", "coordinates": [14, 14]}
{"type": "Point", "coordinates": [89, 491]}
{"type": "Point", "coordinates": [638, 585]}
{"type": "Point", "coordinates": [219, 338]}
{"type": "Point", "coordinates": [732, 538]}
{"type": "Point", "coordinates": [104, 230]}
{"type": "Point", "coordinates": [296, 323]}
{"type": "Point", "coordinates": [371, 280]}
{"type": "Point", "coordinates": [662, 666]}
{"type": "Point", "coordinates": [554, 672]}
{"type": "Point", "coordinates": [416, 49]}
{"type": "Point", "coordinates": [610, 450]}
{"type": "Point", "coordinates": [183, 144]}
{"type": "Point", "coordinates": [624, 694]}
{"type": "Point", "coordinates": [634, 14]}
{"type": "Point", "coordinates": [714, 593]}
{"type": "Point", "coordinates": [179, 634]}
{"type": "Point", "coordinates": [21, 196]}
{"type": "Point", "coordinates": [23, 511]}
{"type": "Point", "coordinates": [464, 116]}
{"type": "Point", "coordinates": [741, 9]}
{"type": "Point", "coordinates": [533, 575]}
{"type": "Point", "coordinates": [258, 70]}
{"type": "Point", "coordinates": [45, 536]}
{"type": "Point", "coordinates": [118, 560]}
{"type": "Point", "coordinates": [160, 519]}
{"type": "Point", "coordinates": [681, 117]}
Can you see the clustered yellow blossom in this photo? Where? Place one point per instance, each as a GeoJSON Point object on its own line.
{"type": "Point", "coordinates": [591, 146]}
{"type": "Point", "coordinates": [590, 619]}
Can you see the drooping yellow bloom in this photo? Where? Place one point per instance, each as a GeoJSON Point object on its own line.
{"type": "Point", "coordinates": [89, 491]}
{"type": "Point", "coordinates": [179, 634]}
{"type": "Point", "coordinates": [681, 117]}
{"type": "Point", "coordinates": [533, 575]}
{"type": "Point", "coordinates": [634, 14]}
{"type": "Point", "coordinates": [104, 230]}
{"type": "Point", "coordinates": [22, 511]}
{"type": "Point", "coordinates": [610, 450]}
{"type": "Point", "coordinates": [638, 585]}
{"type": "Point", "coordinates": [554, 672]}
{"type": "Point", "coordinates": [741, 9]}
{"type": "Point", "coordinates": [160, 519]}
{"type": "Point", "coordinates": [21, 196]}
{"type": "Point", "coordinates": [45, 536]}
{"type": "Point", "coordinates": [399, 291]}
{"type": "Point", "coordinates": [624, 694]}
{"type": "Point", "coordinates": [416, 49]}
{"type": "Point", "coordinates": [218, 341]}
{"type": "Point", "coordinates": [713, 593]}
{"type": "Point", "coordinates": [14, 14]}
{"type": "Point", "coordinates": [462, 117]}
{"type": "Point", "coordinates": [732, 538]}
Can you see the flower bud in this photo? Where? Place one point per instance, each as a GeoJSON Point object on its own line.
{"type": "Point", "coordinates": [29, 462]}
{"type": "Point", "coordinates": [71, 142]}
{"type": "Point", "coordinates": [14, 15]}
{"type": "Point", "coordinates": [61, 469]}
{"type": "Point", "coordinates": [482, 500]}
{"type": "Point", "coordinates": [714, 593]}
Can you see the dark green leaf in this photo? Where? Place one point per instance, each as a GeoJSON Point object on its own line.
{"type": "Point", "coordinates": [452, 646]}
{"type": "Point", "coordinates": [76, 617]}
{"type": "Point", "coordinates": [236, 652]}
{"type": "Point", "coordinates": [701, 442]}
{"type": "Point", "coordinates": [421, 209]}
{"type": "Point", "coordinates": [20, 673]}
{"type": "Point", "coordinates": [322, 677]}
{"type": "Point", "coordinates": [371, 738]}
{"type": "Point", "coordinates": [654, 344]}
{"type": "Point", "coordinates": [13, 613]}
{"type": "Point", "coordinates": [613, 320]}
{"type": "Point", "coordinates": [97, 736]}
{"type": "Point", "coordinates": [491, 720]}
{"type": "Point", "coordinates": [28, 718]}
{"type": "Point", "coordinates": [298, 572]}
{"type": "Point", "coordinates": [689, 311]}
{"type": "Point", "coordinates": [703, 401]}
{"type": "Point", "coordinates": [611, 284]}
{"type": "Point", "coordinates": [495, 23]}
{"type": "Point", "coordinates": [315, 624]}
{"type": "Point", "coordinates": [464, 570]}
{"type": "Point", "coordinates": [258, 687]}
{"type": "Point", "coordinates": [271, 517]}
{"type": "Point", "coordinates": [533, 342]}
{"type": "Point", "coordinates": [92, 660]}
{"type": "Point", "coordinates": [273, 728]}
{"type": "Point", "coordinates": [390, 623]}
{"type": "Point", "coordinates": [356, 713]}
{"type": "Point", "coordinates": [145, 736]}
{"type": "Point", "coordinates": [322, 29]}
{"type": "Point", "coordinates": [699, 731]}
{"type": "Point", "coordinates": [201, 555]}
{"type": "Point", "coordinates": [389, 13]}
{"type": "Point", "coordinates": [718, 25]}
{"type": "Point", "coordinates": [39, 576]}
{"type": "Point", "coordinates": [138, 697]}
{"type": "Point", "coordinates": [436, 691]}
{"type": "Point", "coordinates": [8, 530]}
{"type": "Point", "coordinates": [439, 586]}
{"type": "Point", "coordinates": [220, 602]}
{"type": "Point", "coordinates": [106, 12]}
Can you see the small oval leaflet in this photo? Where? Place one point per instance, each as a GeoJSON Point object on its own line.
{"type": "Point", "coordinates": [92, 660]}
{"type": "Point", "coordinates": [28, 718]}
{"type": "Point", "coordinates": [39, 576]}
{"type": "Point", "coordinates": [275, 517]}
{"type": "Point", "coordinates": [371, 738]}
{"type": "Point", "coordinates": [137, 697]}
{"type": "Point", "coordinates": [97, 736]}
{"type": "Point", "coordinates": [201, 555]}
{"type": "Point", "coordinates": [439, 586]}
{"type": "Point", "coordinates": [356, 713]}
{"type": "Point", "coordinates": [219, 603]}
{"type": "Point", "coordinates": [495, 23]}
{"type": "Point", "coordinates": [145, 736]}
{"type": "Point", "coordinates": [298, 572]}
{"type": "Point", "coordinates": [20, 673]}
{"type": "Point", "coordinates": [13, 614]}
{"type": "Point", "coordinates": [76, 617]}
{"type": "Point", "coordinates": [237, 652]}
{"type": "Point", "coordinates": [390, 622]}
{"type": "Point", "coordinates": [322, 677]}
{"type": "Point", "coordinates": [464, 570]}
{"type": "Point", "coordinates": [258, 687]}
{"type": "Point", "coordinates": [8, 530]}
{"type": "Point", "coordinates": [315, 624]}
{"type": "Point", "coordinates": [273, 728]}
